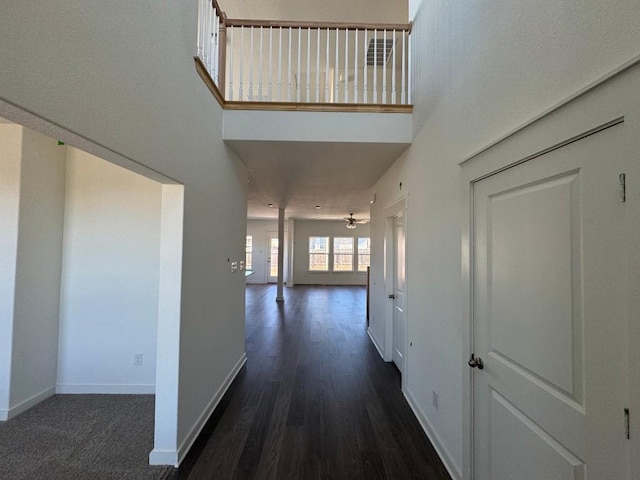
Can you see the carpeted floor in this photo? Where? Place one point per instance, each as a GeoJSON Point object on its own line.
{"type": "Point", "coordinates": [81, 437]}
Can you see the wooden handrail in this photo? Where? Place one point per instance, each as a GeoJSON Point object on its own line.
{"type": "Point", "coordinates": [293, 106]}
{"type": "Point", "coordinates": [234, 22]}
{"type": "Point", "coordinates": [216, 5]}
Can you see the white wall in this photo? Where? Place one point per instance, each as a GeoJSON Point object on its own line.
{"type": "Point", "coordinates": [10, 163]}
{"type": "Point", "coordinates": [323, 228]}
{"type": "Point", "coordinates": [34, 209]}
{"type": "Point", "coordinates": [482, 69]}
{"type": "Point", "coordinates": [109, 305]}
{"type": "Point", "coordinates": [117, 79]}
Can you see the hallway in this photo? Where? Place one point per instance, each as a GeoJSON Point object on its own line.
{"type": "Point", "coordinates": [315, 400]}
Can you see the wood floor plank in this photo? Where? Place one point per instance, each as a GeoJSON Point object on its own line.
{"type": "Point", "coordinates": [314, 401]}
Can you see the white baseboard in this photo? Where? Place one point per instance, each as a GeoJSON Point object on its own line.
{"type": "Point", "coordinates": [109, 389]}
{"type": "Point", "coordinates": [166, 457]}
{"type": "Point", "coordinates": [23, 406]}
{"type": "Point", "coordinates": [434, 438]}
{"type": "Point", "coordinates": [163, 457]}
{"type": "Point", "coordinates": [375, 343]}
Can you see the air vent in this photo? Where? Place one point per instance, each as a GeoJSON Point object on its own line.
{"type": "Point", "coordinates": [380, 50]}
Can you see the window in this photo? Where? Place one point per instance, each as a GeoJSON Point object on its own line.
{"type": "Point", "coordinates": [339, 254]}
{"type": "Point", "coordinates": [248, 253]}
{"type": "Point", "coordinates": [343, 254]}
{"type": "Point", "coordinates": [319, 254]}
{"type": "Point", "coordinates": [364, 253]}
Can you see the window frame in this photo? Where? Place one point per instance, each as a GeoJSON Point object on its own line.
{"type": "Point", "coordinates": [248, 253]}
{"type": "Point", "coordinates": [326, 254]}
{"type": "Point", "coordinates": [335, 255]}
{"type": "Point", "coordinates": [359, 255]}
{"type": "Point", "coordinates": [355, 255]}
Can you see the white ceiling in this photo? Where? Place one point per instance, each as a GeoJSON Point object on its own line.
{"type": "Point", "coordinates": [300, 175]}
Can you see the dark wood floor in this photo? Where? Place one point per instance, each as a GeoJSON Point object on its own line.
{"type": "Point", "coordinates": [314, 401]}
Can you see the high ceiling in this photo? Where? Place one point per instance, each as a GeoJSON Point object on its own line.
{"type": "Point", "coordinates": [298, 176]}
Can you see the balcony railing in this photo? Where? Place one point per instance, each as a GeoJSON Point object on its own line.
{"type": "Point", "coordinates": [304, 63]}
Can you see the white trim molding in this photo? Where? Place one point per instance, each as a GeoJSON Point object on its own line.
{"type": "Point", "coordinates": [438, 444]}
{"type": "Point", "coordinates": [171, 457]}
{"type": "Point", "coordinates": [106, 389]}
{"type": "Point", "coordinates": [11, 412]}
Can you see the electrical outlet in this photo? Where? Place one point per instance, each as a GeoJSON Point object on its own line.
{"type": "Point", "coordinates": [435, 399]}
{"type": "Point", "coordinates": [137, 359]}
{"type": "Point", "coordinates": [241, 265]}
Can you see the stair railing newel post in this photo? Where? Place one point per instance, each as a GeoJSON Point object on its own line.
{"type": "Point", "coordinates": [222, 51]}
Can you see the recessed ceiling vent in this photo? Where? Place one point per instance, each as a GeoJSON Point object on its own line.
{"type": "Point", "coordinates": [380, 50]}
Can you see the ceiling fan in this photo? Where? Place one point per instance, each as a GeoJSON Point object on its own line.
{"type": "Point", "coordinates": [351, 222]}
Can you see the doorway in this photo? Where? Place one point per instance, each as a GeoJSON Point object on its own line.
{"type": "Point", "coordinates": [550, 378]}
{"type": "Point", "coordinates": [398, 295]}
{"type": "Point", "coordinates": [395, 280]}
{"type": "Point", "coordinates": [272, 258]}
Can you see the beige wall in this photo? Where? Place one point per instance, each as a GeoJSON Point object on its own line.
{"type": "Point", "coordinates": [361, 11]}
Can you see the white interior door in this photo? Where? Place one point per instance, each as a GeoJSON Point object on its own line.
{"type": "Point", "coordinates": [550, 319]}
{"type": "Point", "coordinates": [272, 259]}
{"type": "Point", "coordinates": [399, 281]}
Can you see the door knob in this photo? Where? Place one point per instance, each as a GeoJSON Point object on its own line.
{"type": "Point", "coordinates": [476, 362]}
{"type": "Point", "coordinates": [392, 296]}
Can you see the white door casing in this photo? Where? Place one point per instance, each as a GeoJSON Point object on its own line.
{"type": "Point", "coordinates": [399, 292]}
{"type": "Point", "coordinates": [549, 317]}
{"type": "Point", "coordinates": [272, 258]}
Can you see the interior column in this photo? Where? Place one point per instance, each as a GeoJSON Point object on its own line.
{"type": "Point", "coordinates": [280, 295]}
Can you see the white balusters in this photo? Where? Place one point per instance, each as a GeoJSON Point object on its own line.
{"type": "Point", "coordinates": [384, 66]}
{"type": "Point", "coordinates": [393, 70]}
{"type": "Point", "coordinates": [336, 71]}
{"type": "Point", "coordinates": [365, 95]}
{"type": "Point", "coordinates": [355, 69]}
{"type": "Point", "coordinates": [409, 75]}
{"type": "Point", "coordinates": [298, 76]}
{"type": "Point", "coordinates": [251, 62]}
{"type": "Point", "coordinates": [280, 66]}
{"type": "Point", "coordinates": [308, 65]}
{"type": "Point", "coordinates": [326, 72]}
{"type": "Point", "coordinates": [318, 68]}
{"type": "Point", "coordinates": [260, 96]}
{"type": "Point", "coordinates": [242, 57]}
{"type": "Point", "coordinates": [289, 69]}
{"type": "Point", "coordinates": [346, 66]}
{"type": "Point", "coordinates": [374, 64]}
{"type": "Point", "coordinates": [230, 70]}
{"type": "Point", "coordinates": [403, 92]}
{"type": "Point", "coordinates": [201, 9]}
{"type": "Point", "coordinates": [215, 35]}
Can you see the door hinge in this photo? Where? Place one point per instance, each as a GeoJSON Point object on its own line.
{"type": "Point", "coordinates": [623, 187]}
{"type": "Point", "coordinates": [627, 427]}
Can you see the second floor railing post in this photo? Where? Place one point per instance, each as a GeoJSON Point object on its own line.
{"type": "Point", "coordinates": [222, 51]}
